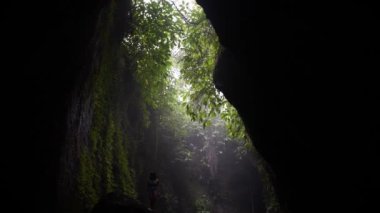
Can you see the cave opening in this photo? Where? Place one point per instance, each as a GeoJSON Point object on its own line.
{"type": "Point", "coordinates": [150, 104]}
{"type": "Point", "coordinates": [194, 139]}
{"type": "Point", "coordinates": [301, 74]}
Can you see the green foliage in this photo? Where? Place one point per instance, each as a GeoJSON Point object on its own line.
{"type": "Point", "coordinates": [86, 181]}
{"type": "Point", "coordinates": [154, 34]}
{"type": "Point", "coordinates": [124, 174]}
{"type": "Point", "coordinates": [173, 114]}
{"type": "Point", "coordinates": [199, 51]}
{"type": "Point", "coordinates": [104, 165]}
{"type": "Point", "coordinates": [160, 26]}
{"type": "Point", "coordinates": [203, 204]}
{"type": "Point", "coordinates": [103, 162]}
{"type": "Point", "coordinates": [164, 37]}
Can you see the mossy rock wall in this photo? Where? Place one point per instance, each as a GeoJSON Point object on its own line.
{"type": "Point", "coordinates": [97, 152]}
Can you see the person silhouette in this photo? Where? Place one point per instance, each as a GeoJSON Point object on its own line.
{"type": "Point", "coordinates": [153, 183]}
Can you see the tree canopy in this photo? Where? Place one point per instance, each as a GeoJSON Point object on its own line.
{"type": "Point", "coordinates": [167, 35]}
{"type": "Point", "coordinates": [174, 50]}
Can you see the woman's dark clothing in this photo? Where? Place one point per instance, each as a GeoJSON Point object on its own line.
{"type": "Point", "coordinates": [152, 190]}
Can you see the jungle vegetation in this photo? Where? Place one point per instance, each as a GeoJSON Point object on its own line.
{"type": "Point", "coordinates": [153, 106]}
{"type": "Point", "coordinates": [175, 50]}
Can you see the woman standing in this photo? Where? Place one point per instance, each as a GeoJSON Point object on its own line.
{"type": "Point", "coordinates": [153, 183]}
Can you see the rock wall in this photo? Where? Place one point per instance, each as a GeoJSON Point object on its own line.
{"type": "Point", "coordinates": [56, 72]}
{"type": "Point", "coordinates": [302, 76]}
{"type": "Point", "coordinates": [97, 150]}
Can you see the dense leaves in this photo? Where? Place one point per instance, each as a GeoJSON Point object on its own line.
{"type": "Point", "coordinates": [174, 49]}
{"type": "Point", "coordinates": [199, 51]}
{"type": "Point", "coordinates": [166, 34]}
{"type": "Point", "coordinates": [155, 31]}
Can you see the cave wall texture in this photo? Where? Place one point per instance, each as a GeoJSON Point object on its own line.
{"type": "Point", "coordinates": [102, 119]}
{"type": "Point", "coordinates": [301, 74]}
{"type": "Point", "coordinates": [56, 65]}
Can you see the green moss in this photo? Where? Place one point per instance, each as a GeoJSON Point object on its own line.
{"type": "Point", "coordinates": [104, 165]}
{"type": "Point", "coordinates": [123, 169]}
{"type": "Point", "coordinates": [106, 169]}
{"type": "Point", "coordinates": [87, 191]}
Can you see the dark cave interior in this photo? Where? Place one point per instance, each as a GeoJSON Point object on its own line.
{"type": "Point", "coordinates": [301, 74]}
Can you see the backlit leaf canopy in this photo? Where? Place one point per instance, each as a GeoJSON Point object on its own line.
{"type": "Point", "coordinates": [166, 35]}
